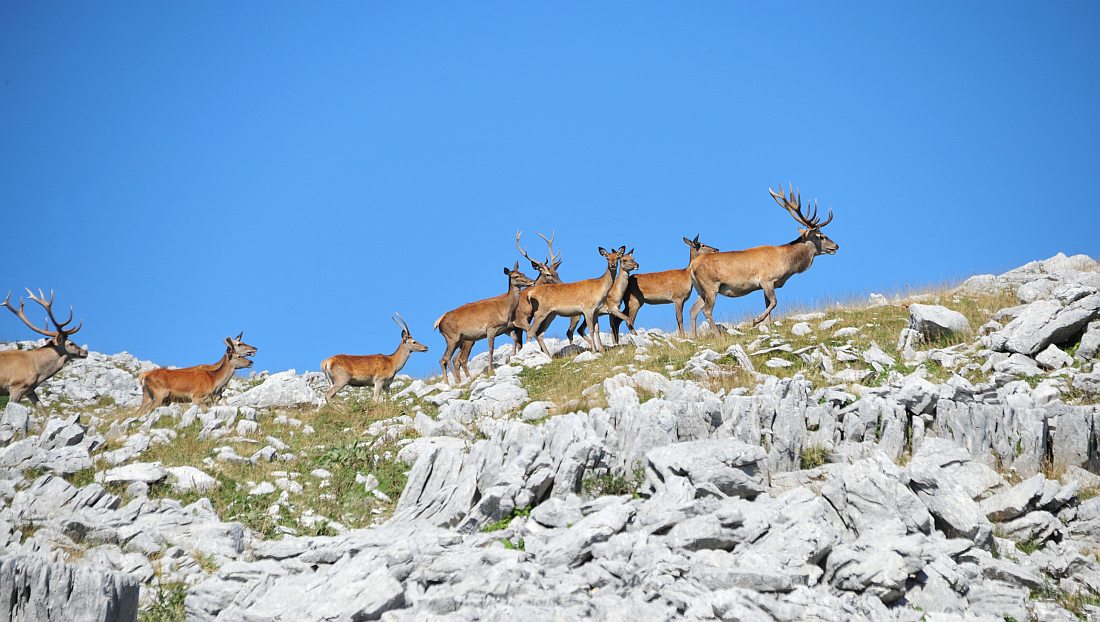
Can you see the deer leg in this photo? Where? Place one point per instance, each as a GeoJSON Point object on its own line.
{"type": "Point", "coordinates": [539, 324]}
{"type": "Point", "coordinates": [594, 337]}
{"type": "Point", "coordinates": [377, 390]}
{"type": "Point", "coordinates": [337, 384]}
{"type": "Point", "coordinates": [770, 302]}
{"type": "Point", "coordinates": [679, 304]}
{"type": "Point", "coordinates": [573, 321]}
{"type": "Point", "coordinates": [448, 350]}
{"type": "Point", "coordinates": [615, 317]}
{"type": "Point", "coordinates": [517, 340]}
{"type": "Point", "coordinates": [31, 396]}
{"type": "Point", "coordinates": [694, 313]}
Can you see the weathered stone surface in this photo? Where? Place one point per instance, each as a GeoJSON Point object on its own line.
{"type": "Point", "coordinates": [696, 468]}
{"type": "Point", "coordinates": [36, 590]}
{"type": "Point", "coordinates": [935, 321]}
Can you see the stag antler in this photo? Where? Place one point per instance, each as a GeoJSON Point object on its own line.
{"type": "Point", "coordinates": [550, 248]}
{"type": "Point", "coordinates": [793, 205]}
{"type": "Point", "coordinates": [23, 316]}
{"type": "Point", "coordinates": [520, 248]}
{"type": "Point", "coordinates": [400, 321]}
{"type": "Point", "coordinates": [48, 306]}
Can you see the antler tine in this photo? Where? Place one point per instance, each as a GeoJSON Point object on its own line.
{"type": "Point", "coordinates": [48, 306]}
{"type": "Point", "coordinates": [828, 220]}
{"type": "Point", "coordinates": [550, 246]}
{"type": "Point", "coordinates": [23, 316]}
{"type": "Point", "coordinates": [401, 322]}
{"type": "Point", "coordinates": [520, 248]}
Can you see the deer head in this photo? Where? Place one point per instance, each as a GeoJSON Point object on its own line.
{"type": "Point", "coordinates": [59, 336]}
{"type": "Point", "coordinates": [613, 257]}
{"type": "Point", "coordinates": [236, 359]}
{"type": "Point", "coordinates": [548, 270]}
{"type": "Point", "coordinates": [240, 346]}
{"type": "Point", "coordinates": [517, 279]}
{"type": "Point", "coordinates": [627, 263]}
{"type": "Point", "coordinates": [406, 336]}
{"type": "Point", "coordinates": [698, 248]}
{"type": "Point", "coordinates": [812, 225]}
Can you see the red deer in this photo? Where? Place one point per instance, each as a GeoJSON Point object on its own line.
{"type": "Point", "coordinates": [578, 298]}
{"type": "Point", "coordinates": [375, 370]}
{"type": "Point", "coordinates": [611, 304]}
{"type": "Point", "coordinates": [736, 273]}
{"type": "Point", "coordinates": [159, 386]}
{"type": "Point", "coordinates": [548, 273]}
{"type": "Point", "coordinates": [658, 288]}
{"type": "Point", "coordinates": [21, 371]}
{"type": "Point", "coordinates": [483, 319]}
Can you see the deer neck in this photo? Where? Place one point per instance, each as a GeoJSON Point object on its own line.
{"type": "Point", "coordinates": [222, 373]}
{"type": "Point", "coordinates": [48, 360]}
{"type": "Point", "coordinates": [400, 356]}
{"type": "Point", "coordinates": [619, 285]}
{"type": "Point", "coordinates": [800, 255]}
{"type": "Point", "coordinates": [608, 278]}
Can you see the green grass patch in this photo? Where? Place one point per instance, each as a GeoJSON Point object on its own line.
{"type": "Point", "coordinates": [166, 605]}
{"type": "Point", "coordinates": [507, 520]}
{"type": "Point", "coordinates": [813, 457]}
{"type": "Point", "coordinates": [613, 483]}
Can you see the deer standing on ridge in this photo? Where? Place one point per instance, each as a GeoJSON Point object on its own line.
{"type": "Point", "coordinates": [239, 347]}
{"type": "Point", "coordinates": [375, 370]}
{"type": "Point", "coordinates": [548, 273]}
{"type": "Point", "coordinates": [577, 298]}
{"type": "Point", "coordinates": [483, 319]}
{"type": "Point", "coordinates": [658, 288]}
{"type": "Point", "coordinates": [201, 386]}
{"type": "Point", "coordinates": [736, 273]}
{"type": "Point", "coordinates": [610, 307]}
{"type": "Point", "coordinates": [21, 371]}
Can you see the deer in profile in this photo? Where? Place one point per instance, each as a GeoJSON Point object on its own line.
{"type": "Point", "coordinates": [736, 273]}
{"type": "Point", "coordinates": [377, 370]}
{"type": "Point", "coordinates": [240, 347]}
{"type": "Point", "coordinates": [577, 298]}
{"type": "Point", "coordinates": [611, 304]}
{"type": "Point", "coordinates": [483, 319]}
{"type": "Point", "coordinates": [548, 273]}
{"type": "Point", "coordinates": [21, 371]}
{"type": "Point", "coordinates": [659, 288]}
{"type": "Point", "coordinates": [200, 386]}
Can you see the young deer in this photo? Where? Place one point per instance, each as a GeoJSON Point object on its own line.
{"type": "Point", "coordinates": [736, 273]}
{"type": "Point", "coordinates": [611, 303]}
{"type": "Point", "coordinates": [659, 288]}
{"type": "Point", "coordinates": [375, 370]}
{"type": "Point", "coordinates": [548, 273]}
{"type": "Point", "coordinates": [21, 371]}
{"type": "Point", "coordinates": [201, 386]}
{"type": "Point", "coordinates": [570, 299]}
{"type": "Point", "coordinates": [484, 319]}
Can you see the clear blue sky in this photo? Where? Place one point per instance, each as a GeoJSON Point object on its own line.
{"type": "Point", "coordinates": [182, 171]}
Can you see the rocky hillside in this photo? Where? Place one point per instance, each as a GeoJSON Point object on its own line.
{"type": "Point", "coordinates": [931, 457]}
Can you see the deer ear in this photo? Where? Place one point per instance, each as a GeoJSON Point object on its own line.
{"type": "Point", "coordinates": [803, 232]}
{"type": "Point", "coordinates": [535, 264]}
{"type": "Point", "coordinates": [689, 242]}
{"type": "Point", "coordinates": [603, 251]}
{"type": "Point", "coordinates": [622, 249]}
{"type": "Point", "coordinates": [515, 267]}
{"type": "Point", "coordinates": [696, 240]}
{"type": "Point", "coordinates": [507, 271]}
{"type": "Point", "coordinates": [631, 252]}
{"type": "Point", "coordinates": [240, 336]}
{"type": "Point", "coordinates": [229, 341]}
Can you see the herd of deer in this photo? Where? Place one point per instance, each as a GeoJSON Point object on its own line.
{"type": "Point", "coordinates": [528, 306]}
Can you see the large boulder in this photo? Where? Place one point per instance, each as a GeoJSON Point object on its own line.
{"type": "Point", "coordinates": [1048, 321]}
{"type": "Point", "coordinates": [935, 321]}
{"type": "Point", "coordinates": [281, 390]}
{"type": "Point", "coordinates": [693, 469]}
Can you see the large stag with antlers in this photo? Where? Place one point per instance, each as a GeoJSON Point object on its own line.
{"type": "Point", "coordinates": [736, 273]}
{"type": "Point", "coordinates": [21, 371]}
{"type": "Point", "coordinates": [548, 274]}
{"type": "Point", "coordinates": [659, 288]}
{"type": "Point", "coordinates": [483, 319]}
{"type": "Point", "coordinates": [570, 299]}
{"type": "Point", "coordinates": [377, 370]}
{"type": "Point", "coordinates": [200, 386]}
{"type": "Point", "coordinates": [611, 304]}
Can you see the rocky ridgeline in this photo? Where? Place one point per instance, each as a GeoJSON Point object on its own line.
{"type": "Point", "coordinates": [968, 495]}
